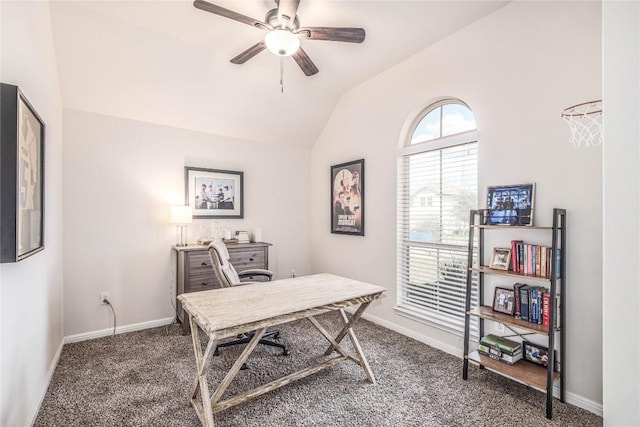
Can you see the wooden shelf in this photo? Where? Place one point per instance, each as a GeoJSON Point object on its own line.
{"type": "Point", "coordinates": [486, 312]}
{"type": "Point", "coordinates": [510, 227]}
{"type": "Point", "coordinates": [487, 270]}
{"type": "Point", "coordinates": [522, 371]}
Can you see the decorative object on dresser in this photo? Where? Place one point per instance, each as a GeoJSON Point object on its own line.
{"type": "Point", "coordinates": [510, 204]}
{"type": "Point", "coordinates": [538, 309]}
{"type": "Point", "coordinates": [195, 273]}
{"type": "Point", "coordinates": [181, 216]}
{"type": "Point", "coordinates": [22, 164]}
{"type": "Point", "coordinates": [347, 198]}
{"type": "Point", "coordinates": [214, 193]}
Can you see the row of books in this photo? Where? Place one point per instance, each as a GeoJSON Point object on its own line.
{"type": "Point", "coordinates": [533, 304]}
{"type": "Point", "coordinates": [500, 348]}
{"type": "Point", "coordinates": [533, 260]}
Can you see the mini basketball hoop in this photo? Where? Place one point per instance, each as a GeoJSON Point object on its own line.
{"type": "Point", "coordinates": [585, 122]}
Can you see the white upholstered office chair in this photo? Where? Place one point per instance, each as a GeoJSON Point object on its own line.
{"type": "Point", "coordinates": [228, 276]}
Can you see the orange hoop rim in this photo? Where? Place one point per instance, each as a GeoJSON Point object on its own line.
{"type": "Point", "coordinates": [568, 112]}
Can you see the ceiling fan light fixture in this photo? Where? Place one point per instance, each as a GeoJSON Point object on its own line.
{"type": "Point", "coordinates": [282, 42]}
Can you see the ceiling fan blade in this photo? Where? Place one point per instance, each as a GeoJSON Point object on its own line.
{"type": "Point", "coordinates": [217, 10]}
{"type": "Point", "coordinates": [304, 62]}
{"type": "Point", "coordinates": [249, 53]}
{"type": "Point", "coordinates": [287, 8]}
{"type": "Point", "coordinates": [336, 34]}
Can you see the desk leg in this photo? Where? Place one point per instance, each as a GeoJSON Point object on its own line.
{"type": "Point", "coordinates": [205, 414]}
{"type": "Point", "coordinates": [348, 326]}
{"type": "Point", "coordinates": [356, 345]}
{"type": "Point", "coordinates": [226, 381]}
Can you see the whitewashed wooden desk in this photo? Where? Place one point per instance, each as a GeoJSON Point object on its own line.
{"type": "Point", "coordinates": [227, 312]}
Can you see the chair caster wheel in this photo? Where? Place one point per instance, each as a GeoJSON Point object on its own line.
{"type": "Point", "coordinates": [276, 336]}
{"type": "Point", "coordinates": [286, 352]}
{"type": "Point", "coordinates": [216, 352]}
{"type": "Point", "coordinates": [244, 366]}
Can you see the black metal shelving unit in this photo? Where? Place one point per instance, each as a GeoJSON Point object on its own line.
{"type": "Point", "coordinates": [538, 377]}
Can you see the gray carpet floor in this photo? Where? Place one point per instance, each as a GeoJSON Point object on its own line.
{"type": "Point", "coordinates": [143, 379]}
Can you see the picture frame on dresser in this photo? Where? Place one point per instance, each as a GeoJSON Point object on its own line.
{"type": "Point", "coordinates": [214, 193]}
{"type": "Point", "coordinates": [22, 188]}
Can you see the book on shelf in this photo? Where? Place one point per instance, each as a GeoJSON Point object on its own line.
{"type": "Point", "coordinates": [500, 348]}
{"type": "Point", "coordinates": [514, 256]}
{"type": "Point", "coordinates": [516, 288]}
{"type": "Point", "coordinates": [242, 236]}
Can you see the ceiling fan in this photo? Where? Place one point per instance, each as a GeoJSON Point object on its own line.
{"type": "Point", "coordinates": [284, 33]}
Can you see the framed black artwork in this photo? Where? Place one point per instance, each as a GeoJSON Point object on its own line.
{"type": "Point", "coordinates": [347, 198]}
{"type": "Point", "coordinates": [214, 193]}
{"type": "Point", "coordinates": [22, 166]}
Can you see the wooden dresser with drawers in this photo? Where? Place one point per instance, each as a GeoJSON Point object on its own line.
{"type": "Point", "coordinates": [195, 273]}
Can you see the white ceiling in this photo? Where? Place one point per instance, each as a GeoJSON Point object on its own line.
{"type": "Point", "coordinates": [167, 62]}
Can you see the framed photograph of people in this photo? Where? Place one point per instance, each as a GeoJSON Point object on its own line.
{"type": "Point", "coordinates": [214, 193]}
{"type": "Point", "coordinates": [500, 259]}
{"type": "Point", "coordinates": [347, 198]}
{"type": "Point", "coordinates": [504, 301]}
{"type": "Point", "coordinates": [22, 189]}
{"type": "Point", "coordinates": [510, 205]}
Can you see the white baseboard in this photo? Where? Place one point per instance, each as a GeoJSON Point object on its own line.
{"type": "Point", "coordinates": [50, 371]}
{"type": "Point", "coordinates": [119, 330]}
{"type": "Point", "coordinates": [415, 335]}
{"type": "Point", "coordinates": [570, 398]}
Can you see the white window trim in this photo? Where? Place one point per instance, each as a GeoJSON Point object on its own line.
{"type": "Point", "coordinates": [451, 324]}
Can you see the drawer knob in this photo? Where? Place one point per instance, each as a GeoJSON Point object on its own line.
{"type": "Point", "coordinates": [203, 284]}
{"type": "Point", "coordinates": [204, 264]}
{"type": "Point", "coordinates": [250, 259]}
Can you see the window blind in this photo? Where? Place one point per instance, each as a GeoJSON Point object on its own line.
{"type": "Point", "coordinates": [436, 190]}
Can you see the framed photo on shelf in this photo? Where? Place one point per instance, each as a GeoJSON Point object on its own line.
{"type": "Point", "coordinates": [347, 198]}
{"type": "Point", "coordinates": [537, 354]}
{"type": "Point", "coordinates": [500, 259]}
{"type": "Point", "coordinates": [510, 205]}
{"type": "Point", "coordinates": [22, 164]}
{"type": "Point", "coordinates": [504, 301]}
{"type": "Point", "coordinates": [214, 193]}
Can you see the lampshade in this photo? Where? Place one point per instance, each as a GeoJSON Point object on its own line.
{"type": "Point", "coordinates": [181, 215]}
{"type": "Point", "coordinates": [282, 42]}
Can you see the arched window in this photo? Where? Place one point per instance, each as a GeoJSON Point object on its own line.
{"type": "Point", "coordinates": [438, 163]}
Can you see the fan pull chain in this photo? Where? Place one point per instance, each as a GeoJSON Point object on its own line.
{"type": "Point", "coordinates": [281, 76]}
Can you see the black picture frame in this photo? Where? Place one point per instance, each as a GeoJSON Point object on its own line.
{"type": "Point", "coordinates": [223, 189]}
{"type": "Point", "coordinates": [22, 138]}
{"type": "Point", "coordinates": [347, 198]}
{"type": "Point", "coordinates": [504, 300]}
{"type": "Point", "coordinates": [510, 204]}
{"type": "Point", "coordinates": [537, 354]}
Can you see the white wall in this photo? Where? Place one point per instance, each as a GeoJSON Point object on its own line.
{"type": "Point", "coordinates": [31, 290]}
{"type": "Point", "coordinates": [517, 69]}
{"type": "Point", "coordinates": [121, 177]}
{"type": "Point", "coordinates": [621, 297]}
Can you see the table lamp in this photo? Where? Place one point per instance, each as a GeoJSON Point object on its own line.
{"type": "Point", "coordinates": [181, 216]}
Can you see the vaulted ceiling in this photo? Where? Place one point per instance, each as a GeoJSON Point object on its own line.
{"type": "Point", "coordinates": [167, 62]}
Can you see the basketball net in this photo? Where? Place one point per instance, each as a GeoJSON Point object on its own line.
{"type": "Point", "coordinates": [585, 123]}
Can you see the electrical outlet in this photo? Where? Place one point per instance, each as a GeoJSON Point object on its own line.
{"type": "Point", "coordinates": [293, 273]}
{"type": "Point", "coordinates": [104, 296]}
{"type": "Point", "coordinates": [500, 328]}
